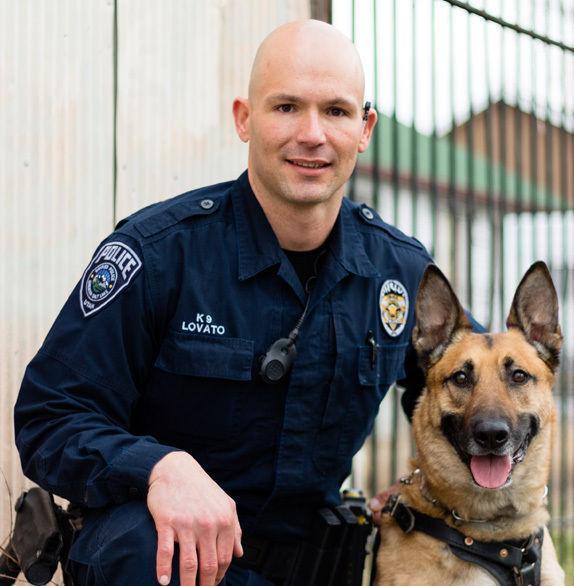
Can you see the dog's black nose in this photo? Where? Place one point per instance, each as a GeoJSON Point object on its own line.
{"type": "Point", "coordinates": [490, 433]}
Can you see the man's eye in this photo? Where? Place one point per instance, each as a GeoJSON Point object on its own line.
{"type": "Point", "coordinates": [337, 112]}
{"type": "Point", "coordinates": [520, 377]}
{"type": "Point", "coordinates": [286, 108]}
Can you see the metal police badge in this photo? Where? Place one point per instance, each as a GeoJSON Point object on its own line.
{"type": "Point", "coordinates": [394, 304]}
{"type": "Point", "coordinates": [111, 270]}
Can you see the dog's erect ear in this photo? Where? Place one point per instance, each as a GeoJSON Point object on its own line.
{"type": "Point", "coordinates": [535, 312]}
{"type": "Point", "coordinates": [439, 315]}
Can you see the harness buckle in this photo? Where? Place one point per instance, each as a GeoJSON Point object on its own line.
{"type": "Point", "coordinates": [526, 575]}
{"type": "Point", "coordinates": [402, 514]}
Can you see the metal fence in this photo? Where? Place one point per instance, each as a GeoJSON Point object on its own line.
{"type": "Point", "coordinates": [474, 155]}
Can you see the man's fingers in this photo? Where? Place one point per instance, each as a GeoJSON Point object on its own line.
{"type": "Point", "coordinates": [237, 547]}
{"type": "Point", "coordinates": [165, 539]}
{"type": "Point", "coordinates": [187, 560]}
{"type": "Point", "coordinates": [225, 543]}
{"type": "Point", "coordinates": [208, 565]}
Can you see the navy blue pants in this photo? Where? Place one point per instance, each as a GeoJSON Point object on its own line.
{"type": "Point", "coordinates": [117, 547]}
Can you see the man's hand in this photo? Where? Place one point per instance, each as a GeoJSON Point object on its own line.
{"type": "Point", "coordinates": [377, 503]}
{"type": "Point", "coordinates": [187, 506]}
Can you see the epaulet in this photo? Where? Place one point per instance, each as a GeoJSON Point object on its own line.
{"type": "Point", "coordinates": [370, 217]}
{"type": "Point", "coordinates": [157, 217]}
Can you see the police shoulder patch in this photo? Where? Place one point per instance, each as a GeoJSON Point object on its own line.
{"type": "Point", "coordinates": [114, 265]}
{"type": "Point", "coordinates": [394, 306]}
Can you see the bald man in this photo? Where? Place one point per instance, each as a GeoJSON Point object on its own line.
{"type": "Point", "coordinates": [204, 389]}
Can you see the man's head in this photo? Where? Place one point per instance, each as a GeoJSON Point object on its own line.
{"type": "Point", "coordinates": [303, 118]}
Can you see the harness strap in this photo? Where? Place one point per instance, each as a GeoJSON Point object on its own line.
{"type": "Point", "coordinates": [512, 563]}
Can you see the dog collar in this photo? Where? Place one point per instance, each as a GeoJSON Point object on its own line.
{"type": "Point", "coordinates": [511, 563]}
{"type": "Point", "coordinates": [408, 480]}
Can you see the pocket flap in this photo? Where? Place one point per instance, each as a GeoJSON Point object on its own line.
{"type": "Point", "coordinates": [389, 365]}
{"type": "Point", "coordinates": [206, 356]}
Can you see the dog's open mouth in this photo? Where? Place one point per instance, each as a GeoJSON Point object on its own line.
{"type": "Point", "coordinates": [493, 471]}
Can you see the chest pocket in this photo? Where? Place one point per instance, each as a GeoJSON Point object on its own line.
{"type": "Point", "coordinates": [206, 356]}
{"type": "Point", "coordinates": [374, 379]}
{"type": "Point", "coordinates": [354, 401]}
{"type": "Point", "coordinates": [200, 383]}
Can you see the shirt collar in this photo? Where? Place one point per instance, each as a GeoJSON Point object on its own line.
{"type": "Point", "coordinates": [259, 249]}
{"type": "Point", "coordinates": [347, 244]}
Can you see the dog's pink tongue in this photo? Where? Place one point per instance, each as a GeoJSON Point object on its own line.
{"type": "Point", "coordinates": [490, 471]}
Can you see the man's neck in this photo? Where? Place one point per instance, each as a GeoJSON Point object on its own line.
{"type": "Point", "coordinates": [299, 227]}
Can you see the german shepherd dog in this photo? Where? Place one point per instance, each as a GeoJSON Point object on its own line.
{"type": "Point", "coordinates": [483, 429]}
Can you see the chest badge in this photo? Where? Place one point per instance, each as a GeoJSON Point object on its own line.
{"type": "Point", "coordinates": [394, 305]}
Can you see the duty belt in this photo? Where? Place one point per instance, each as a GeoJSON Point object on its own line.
{"type": "Point", "coordinates": [511, 563]}
{"type": "Point", "coordinates": [334, 555]}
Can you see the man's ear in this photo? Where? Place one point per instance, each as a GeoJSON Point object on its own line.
{"type": "Point", "coordinates": [439, 315]}
{"type": "Point", "coordinates": [534, 311]}
{"type": "Point", "coordinates": [368, 126]}
{"type": "Point", "coordinates": [241, 117]}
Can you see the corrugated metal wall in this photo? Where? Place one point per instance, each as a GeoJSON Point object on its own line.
{"type": "Point", "coordinates": [177, 66]}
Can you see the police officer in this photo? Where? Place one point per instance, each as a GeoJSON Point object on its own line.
{"type": "Point", "coordinates": [225, 352]}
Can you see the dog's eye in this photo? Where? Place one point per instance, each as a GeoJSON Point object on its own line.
{"type": "Point", "coordinates": [460, 379]}
{"type": "Point", "coordinates": [519, 377]}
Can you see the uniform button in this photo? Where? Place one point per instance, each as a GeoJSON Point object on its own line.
{"type": "Point", "coordinates": [133, 492]}
{"type": "Point", "coordinates": [206, 204]}
{"type": "Point", "coordinates": [367, 213]}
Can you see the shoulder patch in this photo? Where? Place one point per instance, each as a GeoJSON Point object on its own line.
{"type": "Point", "coordinates": [112, 268]}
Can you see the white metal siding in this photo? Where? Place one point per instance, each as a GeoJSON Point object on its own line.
{"type": "Point", "coordinates": [55, 177]}
{"type": "Point", "coordinates": [180, 63]}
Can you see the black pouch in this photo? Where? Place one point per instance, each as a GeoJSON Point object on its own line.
{"type": "Point", "coordinates": [36, 540]}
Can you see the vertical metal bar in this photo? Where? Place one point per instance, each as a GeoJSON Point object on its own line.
{"type": "Point", "coordinates": [533, 162]}
{"type": "Point", "coordinates": [562, 508]}
{"type": "Point", "coordinates": [353, 179]}
{"type": "Point", "coordinates": [377, 129]}
{"type": "Point", "coordinates": [547, 204]}
{"type": "Point", "coordinates": [488, 124]}
{"type": "Point", "coordinates": [433, 142]}
{"type": "Point", "coordinates": [503, 178]}
{"type": "Point", "coordinates": [452, 163]}
{"type": "Point", "coordinates": [414, 133]}
{"type": "Point", "coordinates": [519, 170]}
{"type": "Point", "coordinates": [394, 125]}
{"type": "Point", "coordinates": [115, 116]}
{"type": "Point", "coordinates": [394, 434]}
{"type": "Point", "coordinates": [470, 203]}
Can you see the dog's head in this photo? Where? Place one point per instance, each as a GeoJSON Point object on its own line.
{"type": "Point", "coordinates": [487, 396]}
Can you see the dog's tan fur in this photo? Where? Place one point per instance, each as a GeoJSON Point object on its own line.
{"type": "Point", "coordinates": [512, 512]}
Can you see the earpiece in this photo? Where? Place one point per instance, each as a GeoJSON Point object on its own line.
{"type": "Point", "coordinates": [366, 109]}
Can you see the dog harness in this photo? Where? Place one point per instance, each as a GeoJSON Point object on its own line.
{"type": "Point", "coordinates": [511, 563]}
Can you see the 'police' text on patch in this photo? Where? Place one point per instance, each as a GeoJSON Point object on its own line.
{"type": "Point", "coordinates": [112, 268]}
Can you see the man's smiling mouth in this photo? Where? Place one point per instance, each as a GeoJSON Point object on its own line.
{"type": "Point", "coordinates": [308, 164]}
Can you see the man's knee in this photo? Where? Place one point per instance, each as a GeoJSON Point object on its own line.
{"type": "Point", "coordinates": [117, 546]}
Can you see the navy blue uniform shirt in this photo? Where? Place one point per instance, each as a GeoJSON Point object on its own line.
{"type": "Point", "coordinates": [158, 348]}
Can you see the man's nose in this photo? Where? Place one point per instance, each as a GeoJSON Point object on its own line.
{"type": "Point", "coordinates": [311, 131]}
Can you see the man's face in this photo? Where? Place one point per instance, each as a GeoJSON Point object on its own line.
{"type": "Point", "coordinates": [304, 123]}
